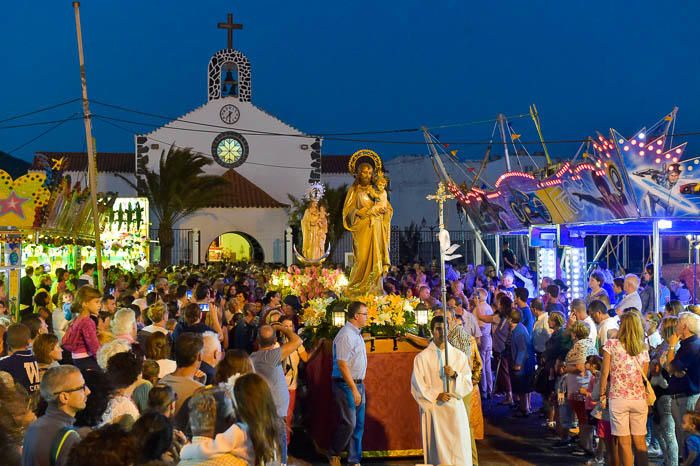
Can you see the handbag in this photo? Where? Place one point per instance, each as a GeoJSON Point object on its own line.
{"type": "Point", "coordinates": [651, 395]}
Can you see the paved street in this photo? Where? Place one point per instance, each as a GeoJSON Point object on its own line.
{"type": "Point", "coordinates": [509, 441]}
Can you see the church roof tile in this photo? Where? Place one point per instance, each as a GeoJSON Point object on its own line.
{"type": "Point", "coordinates": [241, 192]}
{"type": "Point", "coordinates": [334, 163]}
{"type": "Point", "coordinates": [112, 162]}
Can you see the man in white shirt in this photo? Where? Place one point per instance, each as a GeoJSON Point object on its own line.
{"type": "Point", "coordinates": [599, 313]}
{"type": "Point", "coordinates": [444, 422]}
{"type": "Point", "coordinates": [578, 308]}
{"type": "Point", "coordinates": [631, 297]}
{"type": "Point", "coordinates": [541, 331]}
{"type": "Point", "coordinates": [484, 314]}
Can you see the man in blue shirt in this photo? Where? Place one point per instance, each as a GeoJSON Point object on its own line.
{"type": "Point", "coordinates": [49, 439]}
{"type": "Point", "coordinates": [528, 320]}
{"type": "Point", "coordinates": [21, 363]}
{"type": "Point", "coordinates": [684, 366]}
{"type": "Point", "coordinates": [349, 369]}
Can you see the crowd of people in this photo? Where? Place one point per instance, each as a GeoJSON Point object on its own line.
{"type": "Point", "coordinates": [200, 365]}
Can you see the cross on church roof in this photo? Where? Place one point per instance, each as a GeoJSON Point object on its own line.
{"type": "Point", "coordinates": [229, 25]}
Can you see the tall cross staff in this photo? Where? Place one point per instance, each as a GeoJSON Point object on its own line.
{"type": "Point", "coordinates": [440, 196]}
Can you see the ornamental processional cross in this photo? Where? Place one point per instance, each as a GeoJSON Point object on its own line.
{"type": "Point", "coordinates": [440, 196]}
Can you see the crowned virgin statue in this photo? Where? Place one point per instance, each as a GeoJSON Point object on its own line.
{"type": "Point", "coordinates": [367, 215]}
{"type": "Point", "coordinates": [314, 225]}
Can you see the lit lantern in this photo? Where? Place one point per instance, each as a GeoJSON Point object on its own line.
{"type": "Point", "coordinates": [421, 314]}
{"type": "Point", "coordinates": [338, 318]}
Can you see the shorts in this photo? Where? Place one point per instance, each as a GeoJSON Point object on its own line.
{"type": "Point", "coordinates": [628, 417]}
{"type": "Point", "coordinates": [603, 429]}
{"type": "Point", "coordinates": [567, 420]}
{"type": "Point", "coordinates": [579, 407]}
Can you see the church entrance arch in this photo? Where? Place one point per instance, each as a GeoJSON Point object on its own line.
{"type": "Point", "coordinates": [235, 246]}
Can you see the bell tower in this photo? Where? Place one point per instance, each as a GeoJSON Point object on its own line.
{"type": "Point", "coordinates": [229, 69]}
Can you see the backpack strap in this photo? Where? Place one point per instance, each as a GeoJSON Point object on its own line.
{"type": "Point", "coordinates": [57, 443]}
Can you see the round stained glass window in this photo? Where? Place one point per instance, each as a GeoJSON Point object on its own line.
{"type": "Point", "coordinates": [230, 149]}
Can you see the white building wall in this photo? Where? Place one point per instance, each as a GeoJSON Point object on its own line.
{"type": "Point", "coordinates": [265, 225]}
{"type": "Point", "coordinates": [277, 164]}
{"type": "Point", "coordinates": [106, 182]}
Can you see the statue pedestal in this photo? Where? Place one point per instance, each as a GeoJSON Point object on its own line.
{"type": "Point", "coordinates": [392, 421]}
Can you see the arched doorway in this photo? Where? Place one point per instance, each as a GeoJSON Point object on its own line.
{"type": "Point", "coordinates": [235, 246]}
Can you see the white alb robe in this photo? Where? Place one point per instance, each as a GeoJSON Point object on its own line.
{"type": "Point", "coordinates": [444, 426]}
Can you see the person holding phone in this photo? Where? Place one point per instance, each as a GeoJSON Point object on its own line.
{"type": "Point", "coordinates": [268, 362]}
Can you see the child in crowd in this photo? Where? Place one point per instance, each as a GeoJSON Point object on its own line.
{"type": "Point", "coordinates": [691, 424]}
{"type": "Point", "coordinates": [566, 419]}
{"type": "Point", "coordinates": [150, 371]}
{"type": "Point", "coordinates": [598, 415]}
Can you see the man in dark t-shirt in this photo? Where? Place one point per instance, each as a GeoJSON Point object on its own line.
{"type": "Point", "coordinates": [21, 363]}
{"type": "Point", "coordinates": [509, 261]}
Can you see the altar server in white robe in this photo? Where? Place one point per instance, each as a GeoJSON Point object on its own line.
{"type": "Point", "coordinates": [444, 421]}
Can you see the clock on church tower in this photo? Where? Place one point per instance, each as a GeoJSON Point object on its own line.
{"type": "Point", "coordinates": [230, 149]}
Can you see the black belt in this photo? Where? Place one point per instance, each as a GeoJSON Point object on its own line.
{"type": "Point", "coordinates": [340, 379]}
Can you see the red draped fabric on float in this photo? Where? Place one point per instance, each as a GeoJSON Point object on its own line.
{"type": "Point", "coordinates": [392, 421]}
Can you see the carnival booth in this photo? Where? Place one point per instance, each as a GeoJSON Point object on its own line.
{"type": "Point", "coordinates": [641, 185]}
{"type": "Point", "coordinates": [46, 221]}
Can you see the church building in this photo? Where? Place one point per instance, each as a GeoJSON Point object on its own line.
{"type": "Point", "coordinates": [262, 158]}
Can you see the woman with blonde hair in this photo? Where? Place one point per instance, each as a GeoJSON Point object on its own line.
{"type": "Point", "coordinates": [123, 325]}
{"type": "Point", "coordinates": [626, 363]}
{"type": "Point", "coordinates": [81, 336]}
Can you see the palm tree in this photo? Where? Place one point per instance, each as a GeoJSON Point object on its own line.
{"type": "Point", "coordinates": [179, 189]}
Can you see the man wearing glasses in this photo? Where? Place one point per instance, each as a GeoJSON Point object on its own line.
{"type": "Point", "coordinates": [49, 439]}
{"type": "Point", "coordinates": [349, 368]}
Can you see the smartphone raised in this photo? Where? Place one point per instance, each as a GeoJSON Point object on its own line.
{"type": "Point", "coordinates": [204, 307]}
{"type": "Point", "coordinates": [188, 293]}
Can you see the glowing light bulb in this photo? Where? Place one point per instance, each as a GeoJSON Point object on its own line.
{"type": "Point", "coordinates": [621, 141]}
{"type": "Point", "coordinates": [658, 151]}
{"type": "Point", "coordinates": [678, 151]}
{"type": "Point", "coordinates": [657, 160]}
{"type": "Point", "coordinates": [641, 136]}
{"type": "Point", "coordinates": [633, 142]}
{"type": "Point", "coordinates": [659, 142]}
{"type": "Point", "coordinates": [626, 148]}
{"type": "Point", "coordinates": [641, 144]}
{"type": "Point", "coordinates": [690, 169]}
{"type": "Point", "coordinates": [641, 153]}
{"type": "Point", "coordinates": [668, 156]}
{"type": "Point", "coordinates": [675, 159]}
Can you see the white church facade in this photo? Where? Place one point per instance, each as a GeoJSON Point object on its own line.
{"type": "Point", "coordinates": [263, 159]}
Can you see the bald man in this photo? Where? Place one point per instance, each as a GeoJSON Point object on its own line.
{"type": "Point", "coordinates": [631, 297]}
{"type": "Point", "coordinates": [268, 361]}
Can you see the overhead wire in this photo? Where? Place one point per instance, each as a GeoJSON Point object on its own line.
{"type": "Point", "coordinates": [42, 134]}
{"type": "Point", "coordinates": [39, 110]}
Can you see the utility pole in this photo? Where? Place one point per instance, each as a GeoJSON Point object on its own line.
{"type": "Point", "coordinates": [92, 163]}
{"type": "Point", "coordinates": [440, 196]}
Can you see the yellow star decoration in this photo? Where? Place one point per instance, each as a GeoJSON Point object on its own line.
{"type": "Point", "coordinates": [57, 163]}
{"type": "Point", "coordinates": [29, 190]}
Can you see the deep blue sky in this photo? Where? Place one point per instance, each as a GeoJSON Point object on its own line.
{"type": "Point", "coordinates": [327, 66]}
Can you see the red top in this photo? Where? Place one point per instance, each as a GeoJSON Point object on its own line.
{"type": "Point", "coordinates": [81, 337]}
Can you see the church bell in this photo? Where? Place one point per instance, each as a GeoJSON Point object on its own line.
{"type": "Point", "coordinates": [230, 83]}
